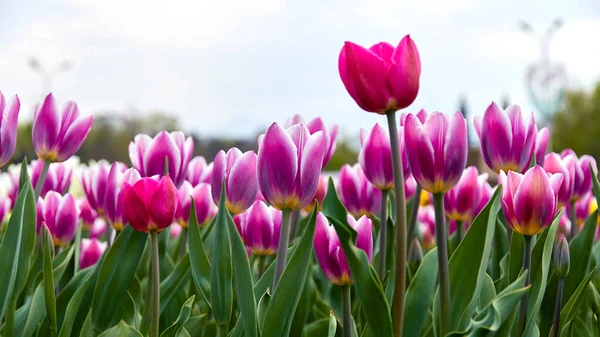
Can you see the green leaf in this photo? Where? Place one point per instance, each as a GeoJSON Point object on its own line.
{"type": "Point", "coordinates": [499, 250]}
{"type": "Point", "coordinates": [175, 282]}
{"type": "Point", "coordinates": [16, 246]}
{"type": "Point", "coordinates": [488, 292]}
{"type": "Point", "coordinates": [515, 256]}
{"type": "Point", "coordinates": [420, 294]}
{"type": "Point", "coordinates": [198, 258]}
{"type": "Point", "coordinates": [306, 302]}
{"type": "Point", "coordinates": [23, 174]}
{"type": "Point", "coordinates": [263, 305]}
{"type": "Point", "coordinates": [115, 274]}
{"type": "Point", "coordinates": [367, 283]}
{"type": "Point", "coordinates": [221, 273]}
{"type": "Point", "coordinates": [67, 325]}
{"type": "Point", "coordinates": [34, 312]}
{"type": "Point", "coordinates": [121, 329]}
{"type": "Point", "coordinates": [570, 309]}
{"type": "Point", "coordinates": [285, 299]}
{"type": "Point", "coordinates": [68, 292]}
{"type": "Point", "coordinates": [49, 295]}
{"type": "Point", "coordinates": [184, 315]}
{"type": "Point", "coordinates": [332, 326]}
{"type": "Point", "coordinates": [28, 231]}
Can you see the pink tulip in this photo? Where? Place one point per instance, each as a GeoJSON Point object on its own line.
{"type": "Point", "coordinates": [11, 183]}
{"type": "Point", "coordinates": [260, 227]}
{"type": "Point", "coordinates": [529, 201]}
{"type": "Point", "coordinates": [239, 172]}
{"type": "Point", "coordinates": [58, 135]}
{"type": "Point", "coordinates": [175, 231]}
{"type": "Point", "coordinates": [329, 251]}
{"type": "Point", "coordinates": [315, 125]}
{"type": "Point", "coordinates": [58, 178]}
{"type": "Point", "coordinates": [564, 225]}
{"type": "Point", "coordinates": [583, 208]}
{"type": "Point", "coordinates": [507, 138]}
{"type": "Point", "coordinates": [426, 219]}
{"type": "Point", "coordinates": [113, 198]}
{"type": "Point", "coordinates": [583, 181]}
{"type": "Point", "coordinates": [553, 163]}
{"type": "Point", "coordinates": [410, 186]}
{"type": "Point", "coordinates": [86, 213]}
{"type": "Point", "coordinates": [436, 150]}
{"type": "Point", "coordinates": [61, 216]}
{"type": "Point", "coordinates": [94, 180]}
{"type": "Point", "coordinates": [9, 115]}
{"type": "Point", "coordinates": [149, 204]}
{"type": "Point", "coordinates": [98, 228]}
{"type": "Point", "coordinates": [462, 201]}
{"type": "Point", "coordinates": [205, 207]}
{"type": "Point", "coordinates": [91, 251]}
{"type": "Point", "coordinates": [381, 78]}
{"type": "Point", "coordinates": [357, 194]}
{"type": "Point", "coordinates": [319, 195]}
{"type": "Point", "coordinates": [148, 155]}
{"type": "Point", "coordinates": [289, 165]}
{"type": "Point", "coordinates": [541, 145]}
{"type": "Point", "coordinates": [5, 206]}
{"type": "Point", "coordinates": [486, 194]}
{"type": "Point", "coordinates": [198, 171]}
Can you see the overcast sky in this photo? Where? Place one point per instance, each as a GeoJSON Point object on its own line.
{"type": "Point", "coordinates": [234, 66]}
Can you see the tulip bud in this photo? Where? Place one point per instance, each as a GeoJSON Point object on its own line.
{"type": "Point", "coordinates": [375, 157]}
{"type": "Point", "coordinates": [198, 171]}
{"type": "Point", "coordinates": [150, 205]}
{"type": "Point", "coordinates": [58, 135]}
{"type": "Point", "coordinates": [315, 125]}
{"type": "Point", "coordinates": [357, 194]}
{"type": "Point", "coordinates": [415, 254]}
{"type": "Point", "coordinates": [260, 227]}
{"type": "Point", "coordinates": [61, 216]}
{"type": "Point", "coordinates": [91, 251]}
{"type": "Point", "coordinates": [561, 258]}
{"type": "Point", "coordinates": [58, 178]}
{"type": "Point", "coordinates": [9, 115]}
{"type": "Point", "coordinates": [239, 172]}
{"type": "Point", "coordinates": [205, 207]}
{"type": "Point", "coordinates": [113, 200]}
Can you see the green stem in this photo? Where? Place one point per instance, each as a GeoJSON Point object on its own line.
{"type": "Point", "coordinates": [155, 284]}
{"type": "Point", "coordinates": [221, 331]}
{"type": "Point", "coordinates": [573, 216]}
{"type": "Point", "coordinates": [284, 235]}
{"type": "Point", "coordinates": [10, 318]}
{"type": "Point", "coordinates": [460, 231]}
{"type": "Point", "coordinates": [414, 211]}
{"type": "Point", "coordinates": [444, 273]}
{"type": "Point", "coordinates": [381, 267]}
{"type": "Point", "coordinates": [559, 295]}
{"type": "Point", "coordinates": [262, 261]}
{"type": "Point", "coordinates": [42, 179]}
{"type": "Point", "coordinates": [527, 267]}
{"type": "Point", "coordinates": [400, 252]}
{"type": "Point", "coordinates": [107, 236]}
{"type": "Point", "coordinates": [295, 224]}
{"type": "Point", "coordinates": [347, 308]}
{"type": "Point", "coordinates": [77, 248]}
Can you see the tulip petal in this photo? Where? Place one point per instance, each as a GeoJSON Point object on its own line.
{"type": "Point", "coordinates": [375, 158]}
{"type": "Point", "coordinates": [310, 163]}
{"type": "Point", "coordinates": [534, 202]}
{"type": "Point", "coordinates": [384, 50]}
{"type": "Point", "coordinates": [364, 240]}
{"type": "Point", "coordinates": [242, 186]}
{"type": "Point", "coordinates": [162, 147]}
{"type": "Point", "coordinates": [46, 125]}
{"type": "Point", "coordinates": [137, 148]}
{"type": "Point", "coordinates": [404, 73]}
{"type": "Point", "coordinates": [455, 150]}
{"type": "Point", "coordinates": [67, 219]}
{"type": "Point", "coordinates": [8, 128]}
{"type": "Point", "coordinates": [495, 137]}
{"type": "Point", "coordinates": [163, 203]}
{"type": "Point", "coordinates": [321, 243]}
{"type": "Point", "coordinates": [420, 153]}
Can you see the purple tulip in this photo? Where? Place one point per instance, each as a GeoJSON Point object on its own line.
{"type": "Point", "coordinates": [58, 178]}
{"type": "Point", "coordinates": [60, 214]}
{"type": "Point", "coordinates": [541, 145]}
{"type": "Point", "coordinates": [529, 201]}
{"type": "Point", "coordinates": [329, 251]}
{"type": "Point", "coordinates": [260, 226]}
{"type": "Point", "coordinates": [91, 251]}
{"type": "Point", "coordinates": [583, 181]}
{"type": "Point", "coordinates": [436, 150]}
{"type": "Point", "coordinates": [426, 219]}
{"type": "Point", "coordinates": [94, 180]}
{"type": "Point", "coordinates": [462, 201]}
{"type": "Point", "coordinates": [86, 213]}
{"type": "Point", "coordinates": [381, 78]}
{"type": "Point", "coordinates": [315, 125]}
{"type": "Point", "coordinates": [58, 135]}
{"type": "Point", "coordinates": [507, 138]}
{"type": "Point", "coordinates": [198, 171]}
{"type": "Point", "coordinates": [239, 172]}
{"type": "Point", "coordinates": [113, 198]}
{"type": "Point", "coordinates": [9, 115]}
{"type": "Point", "coordinates": [148, 155]}
{"type": "Point", "coordinates": [357, 194]}
{"type": "Point", "coordinates": [205, 207]}
{"type": "Point", "coordinates": [553, 163]}
{"type": "Point", "coordinates": [98, 228]}
{"type": "Point", "coordinates": [583, 208]}
{"type": "Point", "coordinates": [410, 186]}
{"type": "Point", "coordinates": [289, 165]}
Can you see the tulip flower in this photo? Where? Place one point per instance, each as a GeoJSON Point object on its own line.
{"type": "Point", "coordinates": [175, 231]}
{"type": "Point", "coordinates": [583, 181]}
{"type": "Point", "coordinates": [260, 227]}
{"type": "Point", "coordinates": [148, 155]}
{"type": "Point", "coordinates": [94, 181]}
{"type": "Point", "coordinates": [319, 195]}
{"type": "Point", "coordinates": [583, 208]}
{"type": "Point", "coordinates": [113, 198]}
{"type": "Point", "coordinates": [463, 199]}
{"type": "Point", "coordinates": [357, 194]}
{"type": "Point", "coordinates": [381, 78]}
{"type": "Point", "coordinates": [507, 138]}
{"type": "Point", "coordinates": [58, 133]}
{"type": "Point", "coordinates": [60, 214]}
{"type": "Point", "coordinates": [239, 172]}
{"type": "Point", "coordinates": [5, 206]}
{"type": "Point", "coordinates": [205, 207]}
{"type": "Point", "coordinates": [410, 186]}
{"type": "Point", "coordinates": [9, 115]}
{"type": "Point", "coordinates": [315, 125]}
{"type": "Point", "coordinates": [541, 145]}
{"type": "Point", "coordinates": [486, 194]}
{"type": "Point", "coordinates": [426, 219]}
{"type": "Point", "coordinates": [91, 251]}
{"type": "Point", "coordinates": [98, 228]}
{"type": "Point", "coordinates": [553, 163]}
{"type": "Point", "coordinates": [58, 176]}
{"type": "Point", "coordinates": [375, 157]}
{"type": "Point", "coordinates": [149, 204]}
{"type": "Point", "coordinates": [198, 171]}
{"type": "Point", "coordinates": [10, 182]}
{"type": "Point", "coordinates": [86, 213]}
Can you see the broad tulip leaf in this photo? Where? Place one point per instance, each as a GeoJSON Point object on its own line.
{"type": "Point", "coordinates": [420, 294]}
{"type": "Point", "coordinates": [121, 330]}
{"type": "Point", "coordinates": [49, 294]}
{"type": "Point", "coordinates": [515, 256]}
{"type": "Point", "coordinates": [175, 282]}
{"type": "Point", "coordinates": [67, 325]}
{"type": "Point", "coordinates": [306, 302]}
{"type": "Point", "coordinates": [198, 258]}
{"type": "Point", "coordinates": [221, 270]}
{"type": "Point", "coordinates": [499, 250]}
{"type": "Point", "coordinates": [571, 308]}
{"type": "Point", "coordinates": [488, 292]}
{"type": "Point", "coordinates": [34, 313]}
{"type": "Point", "coordinates": [66, 294]}
{"type": "Point", "coordinates": [184, 315]}
{"type": "Point", "coordinates": [263, 305]}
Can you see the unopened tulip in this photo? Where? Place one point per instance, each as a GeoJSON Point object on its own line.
{"type": "Point", "coordinates": [58, 177]}
{"type": "Point", "coordinates": [91, 251]}
{"type": "Point", "coordinates": [583, 181]}
{"type": "Point", "coordinates": [98, 228]}
{"type": "Point", "coordinates": [329, 251]}
{"type": "Point", "coordinates": [9, 115]}
{"type": "Point", "coordinates": [289, 165]}
{"type": "Point", "coordinates": [507, 138]}
{"type": "Point", "coordinates": [61, 216]}
{"type": "Point", "coordinates": [94, 180]}
{"type": "Point", "coordinates": [58, 132]}
{"type": "Point", "coordinates": [239, 172]}
{"type": "Point", "coordinates": [205, 207]}
{"type": "Point", "coordinates": [199, 171]}
{"type": "Point", "coordinates": [319, 195]}
{"type": "Point", "coordinates": [375, 157]}
{"type": "Point", "coordinates": [436, 150]}
{"type": "Point", "coordinates": [260, 227]}
{"type": "Point", "coordinates": [86, 213]}
{"type": "Point", "coordinates": [541, 146]}
{"type": "Point", "coordinates": [315, 125]}
{"type": "Point", "coordinates": [148, 155]}
{"type": "Point", "coordinates": [113, 199]}
{"type": "Point", "coordinates": [529, 201]}
{"type": "Point", "coordinates": [149, 204]}
{"type": "Point", "coordinates": [381, 78]}
{"type": "Point", "coordinates": [462, 201]}
{"type": "Point", "coordinates": [357, 194]}
{"type": "Point", "coordinates": [553, 163]}
{"type": "Point", "coordinates": [560, 257]}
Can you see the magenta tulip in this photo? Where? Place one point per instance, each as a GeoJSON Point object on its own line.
{"type": "Point", "coordinates": [58, 178]}
{"type": "Point", "coordinates": [410, 186]}
{"type": "Point", "coordinates": [94, 180]}
{"type": "Point", "coordinates": [9, 115]}
{"type": "Point", "coordinates": [239, 172]}
{"type": "Point", "coordinates": [113, 198]}
{"type": "Point", "coordinates": [381, 78]}
{"type": "Point", "coordinates": [149, 204]}
{"type": "Point", "coordinates": [205, 207]}
{"type": "Point", "coordinates": [553, 163]}
{"type": "Point", "coordinates": [426, 219]}
{"type": "Point", "coordinates": [507, 138]}
{"type": "Point", "coordinates": [436, 150]}
{"type": "Point", "coordinates": [583, 208]}
{"type": "Point", "coordinates": [357, 194]}
{"type": "Point", "coordinates": [462, 201]}
{"type": "Point", "coordinates": [5, 206]}
{"type": "Point", "coordinates": [329, 251]}
{"type": "Point", "coordinates": [60, 214]}
{"type": "Point", "coordinates": [58, 135]}
{"type": "Point", "coordinates": [315, 125]}
{"type": "Point", "coordinates": [289, 165]}
{"type": "Point", "coordinates": [529, 201]}
{"type": "Point", "coordinates": [260, 227]}
{"type": "Point", "coordinates": [87, 214]}
{"type": "Point", "coordinates": [98, 228]}
{"type": "Point", "coordinates": [582, 183]}
{"type": "Point", "coordinates": [91, 251]}
{"type": "Point", "coordinates": [198, 171]}
{"type": "Point", "coordinates": [148, 155]}
{"type": "Point", "coordinates": [541, 145]}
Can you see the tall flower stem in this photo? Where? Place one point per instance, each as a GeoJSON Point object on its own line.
{"type": "Point", "coordinates": [460, 231]}
{"type": "Point", "coordinates": [527, 267]}
{"type": "Point", "coordinates": [155, 285]}
{"type": "Point", "coordinates": [284, 235]}
{"type": "Point", "coordinates": [400, 253]}
{"type": "Point", "coordinates": [42, 179]}
{"type": "Point", "coordinates": [221, 331]}
{"type": "Point", "coordinates": [559, 295]}
{"type": "Point", "coordinates": [347, 308]}
{"type": "Point", "coordinates": [443, 270]}
{"type": "Point", "coordinates": [262, 261]}
{"type": "Point", "coordinates": [414, 211]}
{"type": "Point", "coordinates": [573, 218]}
{"type": "Point", "coordinates": [382, 235]}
